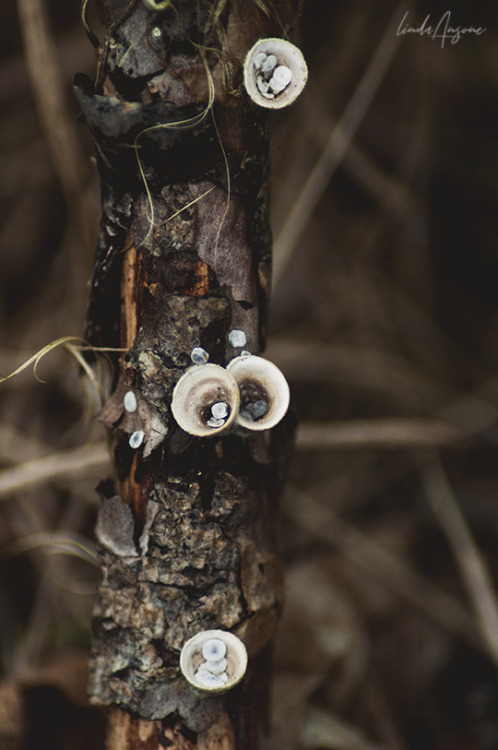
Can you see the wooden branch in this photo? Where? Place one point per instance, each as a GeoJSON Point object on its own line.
{"type": "Point", "coordinates": [186, 532]}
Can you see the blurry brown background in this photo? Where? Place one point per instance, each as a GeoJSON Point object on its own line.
{"type": "Point", "coordinates": [385, 321]}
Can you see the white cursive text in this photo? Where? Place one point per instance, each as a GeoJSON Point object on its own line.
{"type": "Point", "coordinates": [443, 29]}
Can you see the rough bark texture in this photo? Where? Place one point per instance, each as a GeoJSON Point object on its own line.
{"type": "Point", "coordinates": [186, 530]}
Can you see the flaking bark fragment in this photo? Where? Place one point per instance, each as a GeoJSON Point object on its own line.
{"type": "Point", "coordinates": [115, 527]}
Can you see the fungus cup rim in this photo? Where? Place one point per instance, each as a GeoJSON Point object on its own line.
{"type": "Point", "coordinates": [287, 54]}
{"type": "Point", "coordinates": [186, 404]}
{"type": "Point", "coordinates": [236, 656]}
{"type": "Point", "coordinates": [274, 382]}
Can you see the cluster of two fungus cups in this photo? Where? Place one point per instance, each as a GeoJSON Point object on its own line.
{"type": "Point", "coordinates": [250, 394]}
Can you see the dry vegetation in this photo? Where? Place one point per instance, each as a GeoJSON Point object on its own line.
{"type": "Point", "coordinates": [385, 321]}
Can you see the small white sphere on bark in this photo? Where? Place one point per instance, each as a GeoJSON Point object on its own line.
{"type": "Point", "coordinates": [199, 356]}
{"type": "Point", "coordinates": [130, 402]}
{"type": "Point", "coordinates": [136, 439]}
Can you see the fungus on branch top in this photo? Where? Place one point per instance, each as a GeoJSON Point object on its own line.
{"type": "Point", "coordinates": [275, 73]}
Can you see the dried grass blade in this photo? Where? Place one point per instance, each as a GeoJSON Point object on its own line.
{"type": "Point", "coordinates": [64, 464]}
{"type": "Point", "coordinates": [473, 568]}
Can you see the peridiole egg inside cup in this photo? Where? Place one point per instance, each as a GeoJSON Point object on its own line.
{"type": "Point", "coordinates": [205, 400]}
{"type": "Point", "coordinates": [213, 661]}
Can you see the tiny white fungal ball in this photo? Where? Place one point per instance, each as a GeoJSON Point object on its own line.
{"type": "Point", "coordinates": [282, 76]}
{"type": "Point", "coordinates": [269, 64]}
{"type": "Point", "coordinates": [156, 32]}
{"type": "Point", "coordinates": [245, 353]}
{"type": "Point", "coordinates": [199, 356]}
{"type": "Point", "coordinates": [216, 667]}
{"type": "Point", "coordinates": [263, 86]}
{"type": "Point", "coordinates": [130, 402]}
{"type": "Point", "coordinates": [259, 409]}
{"type": "Point", "coordinates": [209, 680]}
{"type": "Point", "coordinates": [214, 649]}
{"type": "Point", "coordinates": [259, 60]}
{"type": "Point", "coordinates": [136, 439]}
{"type": "Point", "coordinates": [237, 338]}
{"type": "Point", "coordinates": [254, 410]}
{"type": "Point", "coordinates": [219, 410]}
{"type": "Point", "coordinates": [215, 423]}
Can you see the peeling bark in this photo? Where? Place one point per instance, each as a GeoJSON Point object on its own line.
{"type": "Point", "coordinates": [187, 529]}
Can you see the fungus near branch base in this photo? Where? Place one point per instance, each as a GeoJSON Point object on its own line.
{"type": "Point", "coordinates": [213, 661]}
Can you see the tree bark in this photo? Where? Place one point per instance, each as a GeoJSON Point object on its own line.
{"type": "Point", "coordinates": [186, 529]}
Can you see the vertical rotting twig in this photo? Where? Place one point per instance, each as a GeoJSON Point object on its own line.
{"type": "Point", "coordinates": [186, 530]}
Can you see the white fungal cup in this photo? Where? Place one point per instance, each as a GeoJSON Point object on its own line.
{"type": "Point", "coordinates": [264, 392]}
{"type": "Point", "coordinates": [205, 400]}
{"type": "Point", "coordinates": [275, 73]}
{"type": "Point", "coordinates": [213, 661]}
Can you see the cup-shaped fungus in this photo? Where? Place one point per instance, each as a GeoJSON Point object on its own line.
{"type": "Point", "coordinates": [264, 392]}
{"type": "Point", "coordinates": [205, 400]}
{"type": "Point", "coordinates": [275, 73]}
{"type": "Point", "coordinates": [213, 661]}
